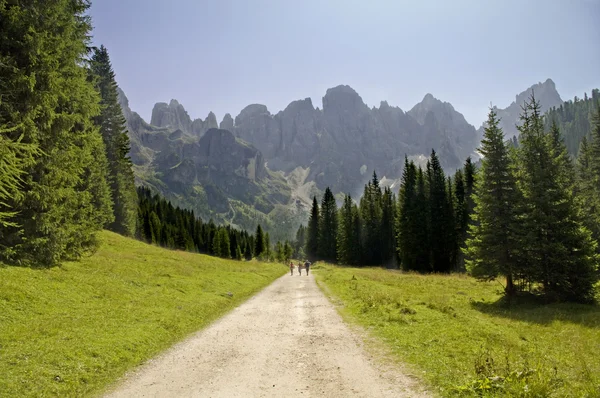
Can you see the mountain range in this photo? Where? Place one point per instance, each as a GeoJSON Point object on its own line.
{"type": "Point", "coordinates": [264, 168]}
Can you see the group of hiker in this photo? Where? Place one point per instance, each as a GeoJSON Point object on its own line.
{"type": "Point", "coordinates": [306, 266]}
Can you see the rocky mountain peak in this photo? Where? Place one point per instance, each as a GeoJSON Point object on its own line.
{"type": "Point", "coordinates": [545, 93]}
{"type": "Point", "coordinates": [173, 116]}
{"type": "Point", "coordinates": [227, 123]}
{"type": "Point", "coordinates": [343, 98]}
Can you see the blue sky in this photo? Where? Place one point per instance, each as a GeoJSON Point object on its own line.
{"type": "Point", "coordinates": [221, 55]}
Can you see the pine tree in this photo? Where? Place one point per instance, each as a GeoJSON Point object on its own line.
{"type": "Point", "coordinates": [268, 254]}
{"type": "Point", "coordinates": [248, 251]}
{"type": "Point", "coordinates": [225, 250]}
{"type": "Point", "coordinates": [300, 242]}
{"type": "Point", "coordinates": [345, 236]}
{"type": "Point", "coordinates": [238, 253]}
{"type": "Point", "coordinates": [259, 241]}
{"type": "Point", "coordinates": [408, 221]}
{"type": "Point", "coordinates": [312, 236]}
{"type": "Point", "coordinates": [451, 225]}
{"type": "Point", "coordinates": [216, 245]}
{"type": "Point", "coordinates": [588, 194]}
{"type": "Point", "coordinates": [112, 127]}
{"type": "Point", "coordinates": [15, 157]}
{"type": "Point", "coordinates": [439, 222]}
{"type": "Point", "coordinates": [371, 213]}
{"type": "Point", "coordinates": [558, 250]}
{"type": "Point", "coordinates": [388, 229]}
{"type": "Point", "coordinates": [422, 235]}
{"type": "Point", "coordinates": [493, 241]}
{"type": "Point", "coordinates": [461, 217]}
{"type": "Point", "coordinates": [327, 228]}
{"type": "Point", "coordinates": [65, 196]}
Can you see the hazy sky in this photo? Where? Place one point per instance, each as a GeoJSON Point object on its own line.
{"type": "Point", "coordinates": [222, 55]}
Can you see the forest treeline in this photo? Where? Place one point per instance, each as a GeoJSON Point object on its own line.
{"type": "Point", "coordinates": [160, 223]}
{"type": "Point", "coordinates": [529, 213]}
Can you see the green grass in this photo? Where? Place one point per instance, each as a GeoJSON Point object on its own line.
{"type": "Point", "coordinates": [459, 337]}
{"type": "Point", "coordinates": [72, 330]}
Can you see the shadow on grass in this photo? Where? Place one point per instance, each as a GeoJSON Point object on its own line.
{"type": "Point", "coordinates": [532, 309]}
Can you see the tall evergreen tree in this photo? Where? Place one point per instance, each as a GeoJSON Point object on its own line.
{"type": "Point", "coordinates": [225, 249]}
{"type": "Point", "coordinates": [408, 221]}
{"type": "Point", "coordinates": [112, 127]}
{"type": "Point", "coordinates": [312, 237]}
{"type": "Point", "coordinates": [300, 242]}
{"type": "Point", "coordinates": [259, 242]}
{"type": "Point", "coordinates": [588, 188]}
{"type": "Point", "coordinates": [371, 213]}
{"type": "Point", "coordinates": [248, 251]}
{"type": "Point", "coordinates": [65, 195]}
{"type": "Point", "coordinates": [15, 157]}
{"type": "Point", "coordinates": [422, 234]}
{"type": "Point", "coordinates": [461, 217]}
{"type": "Point", "coordinates": [451, 235]}
{"type": "Point", "coordinates": [439, 222]}
{"type": "Point", "coordinates": [327, 228]}
{"type": "Point", "coordinates": [388, 227]}
{"type": "Point", "coordinates": [558, 250]}
{"type": "Point", "coordinates": [492, 245]}
{"type": "Point", "coordinates": [346, 239]}
{"type": "Point", "coordinates": [267, 253]}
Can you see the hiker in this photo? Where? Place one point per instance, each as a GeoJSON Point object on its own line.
{"type": "Point", "coordinates": [307, 266]}
{"type": "Point", "coordinates": [299, 268]}
{"type": "Point", "coordinates": [291, 268]}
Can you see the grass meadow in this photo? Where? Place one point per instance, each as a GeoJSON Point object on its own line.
{"type": "Point", "coordinates": [461, 339]}
{"type": "Point", "coordinates": [75, 329]}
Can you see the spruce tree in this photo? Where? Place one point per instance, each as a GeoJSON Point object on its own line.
{"type": "Point", "coordinates": [371, 213]}
{"type": "Point", "coordinates": [327, 228]}
{"type": "Point", "coordinates": [259, 242]}
{"type": "Point", "coordinates": [439, 217]}
{"type": "Point", "coordinates": [300, 242]}
{"type": "Point", "coordinates": [558, 250]}
{"type": "Point", "coordinates": [422, 235]}
{"type": "Point", "coordinates": [345, 232]}
{"type": "Point", "coordinates": [225, 250]}
{"type": "Point", "coordinates": [65, 198]}
{"type": "Point", "coordinates": [587, 193]}
{"type": "Point", "coordinates": [388, 227]}
{"type": "Point", "coordinates": [216, 245]}
{"type": "Point", "coordinates": [15, 157]}
{"type": "Point", "coordinates": [408, 221]}
{"type": "Point", "coordinates": [312, 236]}
{"type": "Point", "coordinates": [268, 252]}
{"type": "Point", "coordinates": [248, 251]}
{"type": "Point", "coordinates": [451, 234]}
{"type": "Point", "coordinates": [112, 127]}
{"type": "Point", "coordinates": [493, 242]}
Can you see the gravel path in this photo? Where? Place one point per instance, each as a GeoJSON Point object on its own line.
{"type": "Point", "coordinates": [287, 341]}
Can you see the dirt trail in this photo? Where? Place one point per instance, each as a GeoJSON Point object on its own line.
{"type": "Point", "coordinates": [287, 341]}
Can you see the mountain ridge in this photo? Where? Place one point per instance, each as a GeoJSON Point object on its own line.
{"type": "Point", "coordinates": [299, 150]}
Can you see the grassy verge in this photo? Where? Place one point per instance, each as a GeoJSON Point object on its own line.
{"type": "Point", "coordinates": [70, 331]}
{"type": "Point", "coordinates": [463, 341]}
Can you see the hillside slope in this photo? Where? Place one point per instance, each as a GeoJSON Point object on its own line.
{"type": "Point", "coordinates": [71, 330]}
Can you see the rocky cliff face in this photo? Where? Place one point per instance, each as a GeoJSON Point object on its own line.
{"type": "Point", "coordinates": [544, 92]}
{"type": "Point", "coordinates": [197, 165]}
{"type": "Point", "coordinates": [343, 143]}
